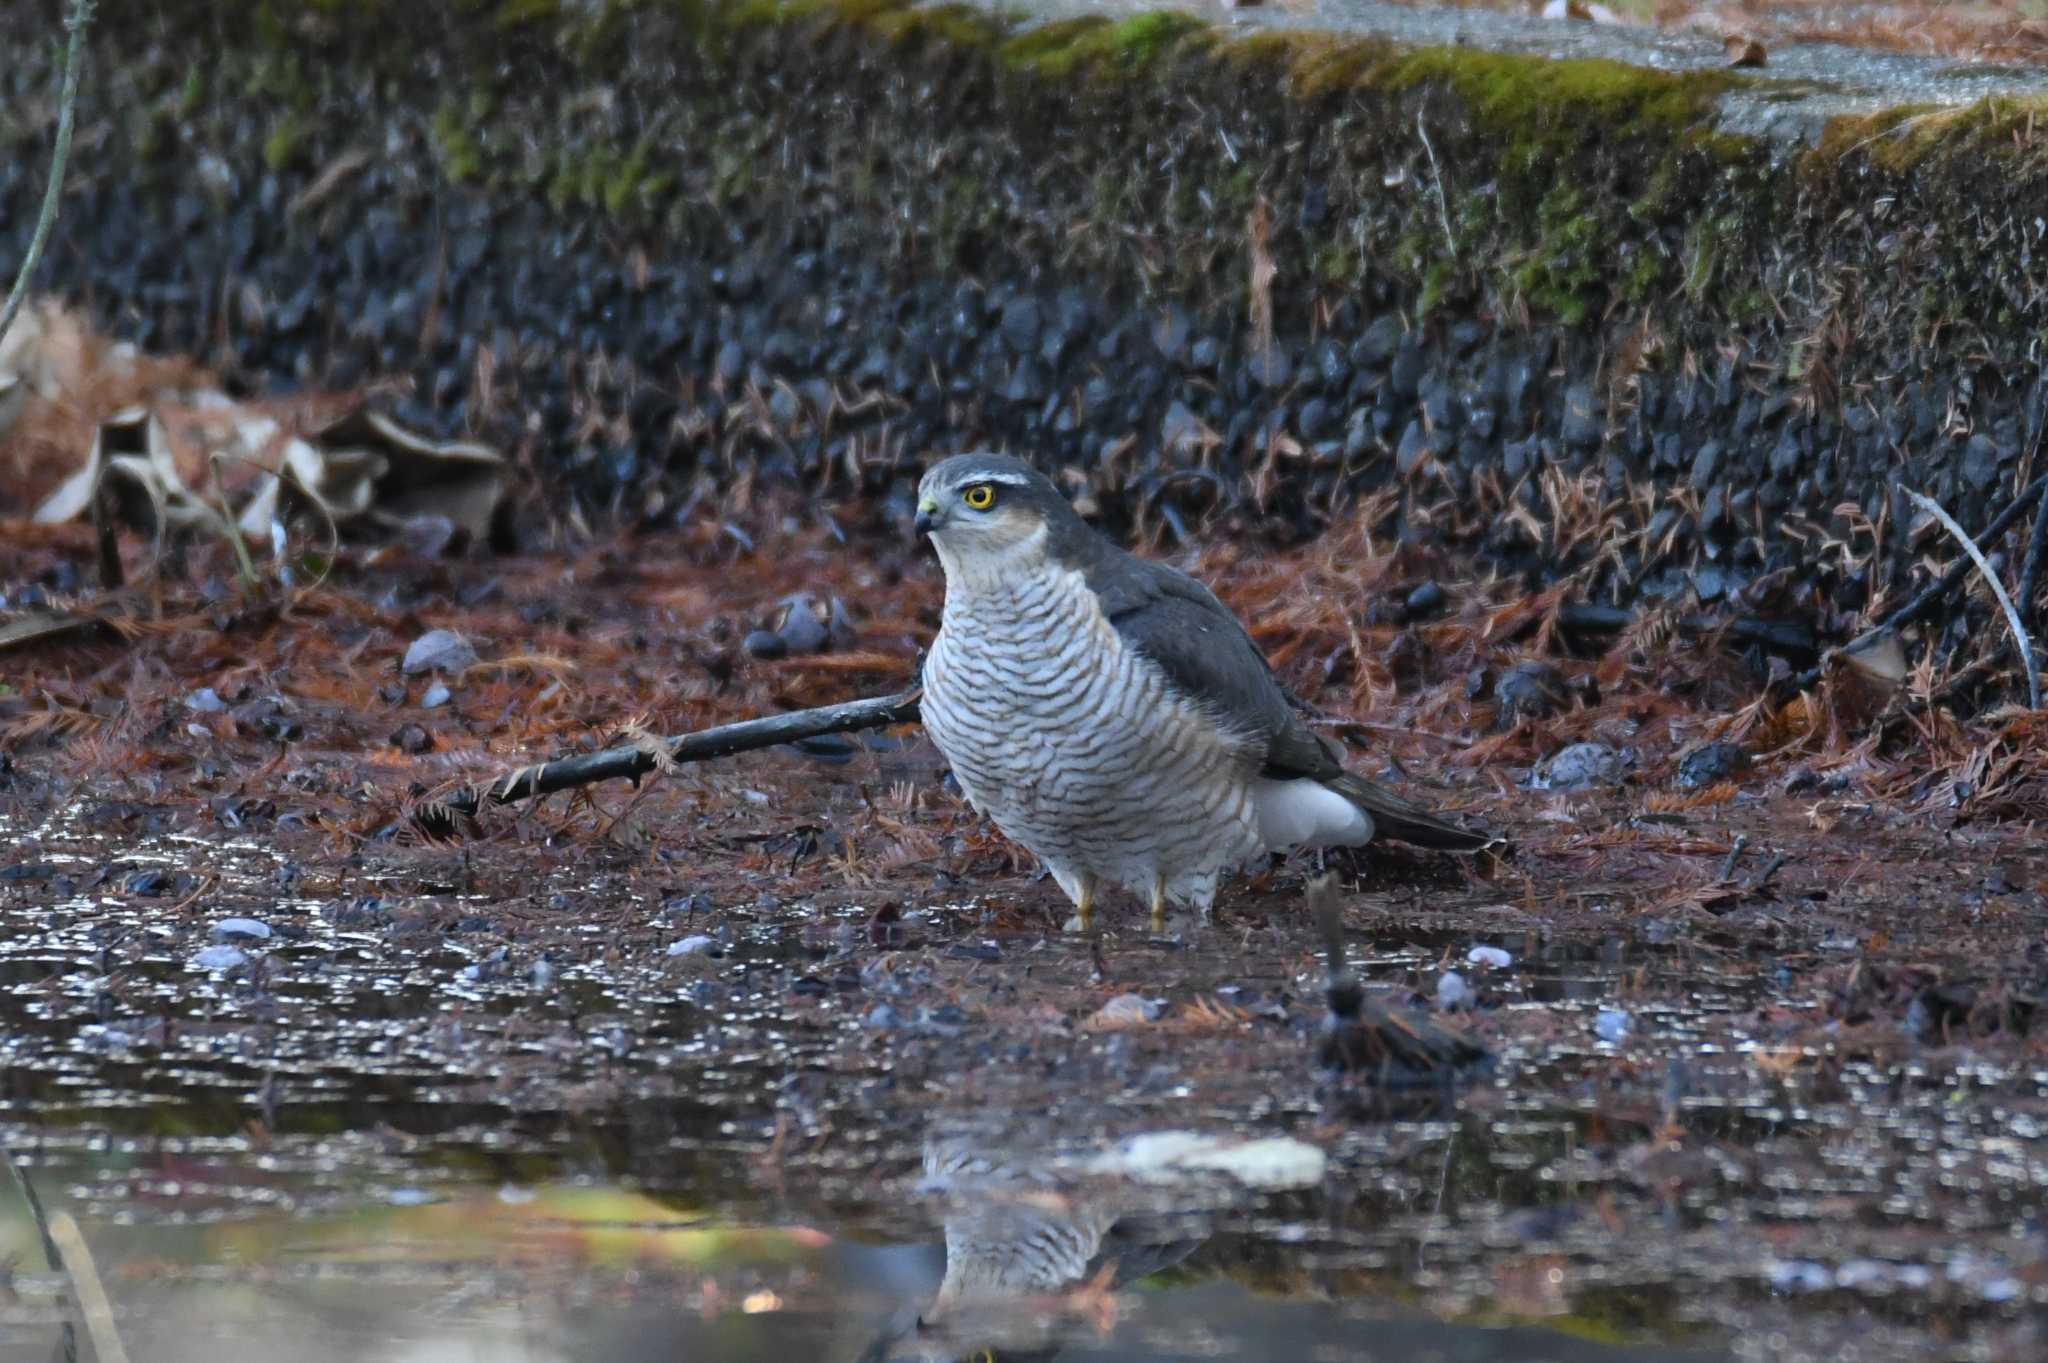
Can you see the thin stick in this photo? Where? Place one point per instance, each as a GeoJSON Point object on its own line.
{"type": "Point", "coordinates": [1436, 175]}
{"type": "Point", "coordinates": [2012, 615]}
{"type": "Point", "coordinates": [1931, 595]}
{"type": "Point", "coordinates": [634, 760]}
{"type": "Point", "coordinates": [75, 24]}
{"type": "Point", "coordinates": [92, 1298]}
{"type": "Point", "coordinates": [1734, 855]}
{"type": "Point", "coordinates": [2030, 576]}
{"type": "Point", "coordinates": [51, 1256]}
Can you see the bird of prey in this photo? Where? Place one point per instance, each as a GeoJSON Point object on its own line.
{"type": "Point", "coordinates": [1111, 715]}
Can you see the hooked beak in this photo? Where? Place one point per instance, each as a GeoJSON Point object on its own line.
{"type": "Point", "coordinates": [928, 517]}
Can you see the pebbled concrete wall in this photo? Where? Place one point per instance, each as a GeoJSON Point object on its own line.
{"type": "Point", "coordinates": [655, 242]}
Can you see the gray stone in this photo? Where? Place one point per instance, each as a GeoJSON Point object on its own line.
{"type": "Point", "coordinates": [1414, 448]}
{"type": "Point", "coordinates": [1584, 424]}
{"type": "Point", "coordinates": [1270, 368]}
{"type": "Point", "coordinates": [1377, 345]}
{"type": "Point", "coordinates": [1022, 320]}
{"type": "Point", "coordinates": [438, 650]}
{"type": "Point", "coordinates": [1706, 465]}
{"type": "Point", "coordinates": [1786, 455]}
{"type": "Point", "coordinates": [1980, 463]}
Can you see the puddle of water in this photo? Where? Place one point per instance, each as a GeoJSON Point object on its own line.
{"type": "Point", "coordinates": [387, 1132]}
{"type": "Point", "coordinates": [211, 1259]}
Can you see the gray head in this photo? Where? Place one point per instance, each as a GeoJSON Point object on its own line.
{"type": "Point", "coordinates": [986, 509]}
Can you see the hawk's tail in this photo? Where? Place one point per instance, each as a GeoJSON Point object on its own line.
{"type": "Point", "coordinates": [1410, 823]}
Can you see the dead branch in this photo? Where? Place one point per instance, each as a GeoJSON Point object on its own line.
{"type": "Point", "coordinates": [1930, 596]}
{"type": "Point", "coordinates": [1782, 635]}
{"type": "Point", "coordinates": [631, 761]}
{"type": "Point", "coordinates": [2012, 615]}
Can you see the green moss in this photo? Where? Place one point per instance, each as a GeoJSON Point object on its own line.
{"type": "Point", "coordinates": [455, 145]}
{"type": "Point", "coordinates": [961, 26]}
{"type": "Point", "coordinates": [1562, 275]}
{"type": "Point", "coordinates": [1647, 275]}
{"type": "Point", "coordinates": [193, 94]}
{"type": "Point", "coordinates": [1047, 49]}
{"type": "Point", "coordinates": [1336, 69]}
{"type": "Point", "coordinates": [525, 13]}
{"type": "Point", "coordinates": [286, 141]}
{"type": "Point", "coordinates": [1528, 99]}
{"type": "Point", "coordinates": [1063, 49]}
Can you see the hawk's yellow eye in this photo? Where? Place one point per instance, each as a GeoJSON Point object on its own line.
{"type": "Point", "coordinates": [981, 496]}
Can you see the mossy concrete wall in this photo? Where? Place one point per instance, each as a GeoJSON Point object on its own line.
{"type": "Point", "coordinates": [825, 239]}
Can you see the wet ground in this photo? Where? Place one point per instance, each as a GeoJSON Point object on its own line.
{"type": "Point", "coordinates": [739, 1065]}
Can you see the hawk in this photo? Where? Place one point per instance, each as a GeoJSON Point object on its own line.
{"type": "Point", "coordinates": [1111, 715]}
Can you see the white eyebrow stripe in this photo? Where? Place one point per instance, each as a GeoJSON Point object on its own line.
{"type": "Point", "coordinates": [1006, 479]}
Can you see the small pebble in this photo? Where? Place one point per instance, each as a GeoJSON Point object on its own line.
{"type": "Point", "coordinates": [1489, 956]}
{"type": "Point", "coordinates": [1452, 993]}
{"type": "Point", "coordinates": [1800, 1275]}
{"type": "Point", "coordinates": [801, 629]}
{"type": "Point", "coordinates": [1128, 1010]}
{"type": "Point", "coordinates": [411, 739]}
{"type": "Point", "coordinates": [1531, 690]}
{"type": "Point", "coordinates": [241, 930]}
{"type": "Point", "coordinates": [765, 643]}
{"type": "Point", "coordinates": [1860, 1273]}
{"type": "Point", "coordinates": [437, 695]}
{"type": "Point", "coordinates": [697, 945]}
{"type": "Point", "coordinates": [1710, 765]}
{"type": "Point", "coordinates": [1582, 766]}
{"type": "Point", "coordinates": [205, 700]}
{"type": "Point", "coordinates": [151, 882]}
{"type": "Point", "coordinates": [220, 958]}
{"type": "Point", "coordinates": [1612, 1024]}
{"type": "Point", "coordinates": [441, 650]}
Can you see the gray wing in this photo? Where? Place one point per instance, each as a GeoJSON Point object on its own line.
{"type": "Point", "coordinates": [1179, 625]}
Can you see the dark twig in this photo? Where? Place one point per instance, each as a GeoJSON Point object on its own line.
{"type": "Point", "coordinates": [633, 761]}
{"type": "Point", "coordinates": [1763, 877]}
{"type": "Point", "coordinates": [2030, 578]}
{"type": "Point", "coordinates": [1931, 595]}
{"type": "Point", "coordinates": [1785, 636]}
{"type": "Point", "coordinates": [1734, 855]}
{"type": "Point", "coordinates": [75, 23]}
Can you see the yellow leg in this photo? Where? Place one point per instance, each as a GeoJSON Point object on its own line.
{"type": "Point", "coordinates": [1158, 904]}
{"type": "Point", "coordinates": [1084, 903]}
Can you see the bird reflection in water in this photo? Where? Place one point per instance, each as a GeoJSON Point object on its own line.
{"type": "Point", "coordinates": [1040, 1239]}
